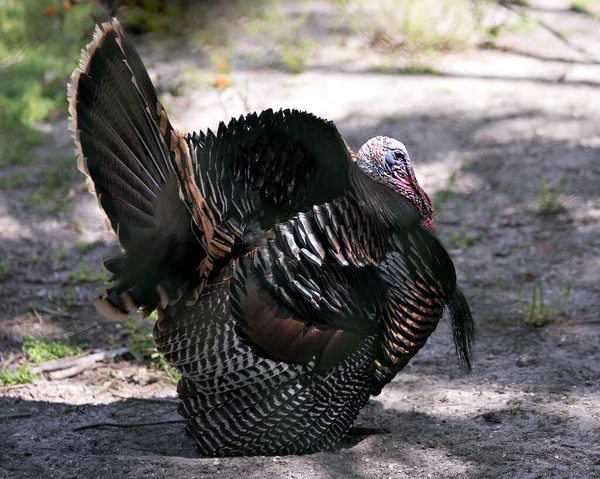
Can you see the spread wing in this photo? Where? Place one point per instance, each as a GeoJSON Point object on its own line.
{"type": "Point", "coordinates": [332, 277]}
{"type": "Point", "coordinates": [268, 167]}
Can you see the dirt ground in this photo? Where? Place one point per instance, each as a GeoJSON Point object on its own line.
{"type": "Point", "coordinates": [482, 135]}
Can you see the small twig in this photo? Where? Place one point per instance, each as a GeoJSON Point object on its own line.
{"type": "Point", "coordinates": [85, 327]}
{"type": "Point", "coordinates": [38, 316]}
{"type": "Point", "coordinates": [14, 386]}
{"type": "Point", "coordinates": [128, 425]}
{"type": "Point", "coordinates": [81, 303]}
{"type": "Point", "coordinates": [14, 416]}
{"type": "Point", "coordinates": [84, 360]}
{"type": "Point", "coordinates": [43, 309]}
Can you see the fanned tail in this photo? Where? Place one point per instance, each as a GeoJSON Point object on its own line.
{"type": "Point", "coordinates": [463, 328]}
{"type": "Point", "coordinates": [123, 144]}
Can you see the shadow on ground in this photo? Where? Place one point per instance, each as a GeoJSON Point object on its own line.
{"type": "Point", "coordinates": [473, 445]}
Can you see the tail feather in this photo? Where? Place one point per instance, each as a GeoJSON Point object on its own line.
{"type": "Point", "coordinates": [114, 149]}
{"type": "Point", "coordinates": [122, 138]}
{"type": "Point", "coordinates": [114, 113]}
{"type": "Point", "coordinates": [463, 328]}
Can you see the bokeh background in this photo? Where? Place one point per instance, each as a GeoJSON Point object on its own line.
{"type": "Point", "coordinates": [498, 102]}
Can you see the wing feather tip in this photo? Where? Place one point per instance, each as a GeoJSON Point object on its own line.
{"type": "Point", "coordinates": [463, 329]}
{"type": "Point", "coordinates": [108, 310]}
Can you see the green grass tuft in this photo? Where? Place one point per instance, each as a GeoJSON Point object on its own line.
{"type": "Point", "coordinates": [86, 275]}
{"type": "Point", "coordinates": [538, 311]}
{"type": "Point", "coordinates": [295, 57]}
{"type": "Point", "coordinates": [587, 7]}
{"type": "Point", "coordinates": [140, 343]}
{"type": "Point", "coordinates": [462, 240]}
{"type": "Point", "coordinates": [156, 16]}
{"type": "Point", "coordinates": [547, 201]}
{"type": "Point", "coordinates": [40, 350]}
{"type": "Point", "coordinates": [414, 69]}
{"type": "Point", "coordinates": [5, 269]}
{"type": "Point", "coordinates": [443, 195]}
{"type": "Point", "coordinates": [58, 255]}
{"type": "Point", "coordinates": [65, 301]}
{"type": "Point", "coordinates": [84, 247]}
{"type": "Point", "coordinates": [79, 227]}
{"type": "Point", "coordinates": [14, 180]}
{"type": "Point", "coordinates": [419, 70]}
{"type": "Point", "coordinates": [20, 375]}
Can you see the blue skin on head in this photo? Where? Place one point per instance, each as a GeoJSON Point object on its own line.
{"type": "Point", "coordinates": [396, 154]}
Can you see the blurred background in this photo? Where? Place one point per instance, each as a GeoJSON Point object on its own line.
{"type": "Point", "coordinates": [498, 102]}
{"type": "Point", "coordinates": [207, 44]}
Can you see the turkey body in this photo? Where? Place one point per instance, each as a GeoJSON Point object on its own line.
{"type": "Point", "coordinates": [290, 283]}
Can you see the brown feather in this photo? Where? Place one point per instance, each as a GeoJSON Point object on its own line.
{"type": "Point", "coordinates": [288, 339]}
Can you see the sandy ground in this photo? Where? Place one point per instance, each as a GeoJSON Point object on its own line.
{"type": "Point", "coordinates": [484, 135]}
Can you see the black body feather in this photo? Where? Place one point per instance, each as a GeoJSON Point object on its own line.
{"type": "Point", "coordinates": [290, 286]}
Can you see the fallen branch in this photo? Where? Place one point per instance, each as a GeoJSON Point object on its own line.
{"type": "Point", "coordinates": [73, 371]}
{"type": "Point", "coordinates": [128, 425]}
{"type": "Point", "coordinates": [174, 401]}
{"type": "Point", "coordinates": [583, 322]}
{"type": "Point", "coordinates": [67, 363]}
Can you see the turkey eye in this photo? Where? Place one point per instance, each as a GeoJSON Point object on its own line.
{"type": "Point", "coordinates": [398, 155]}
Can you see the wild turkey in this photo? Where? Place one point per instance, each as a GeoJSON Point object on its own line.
{"type": "Point", "coordinates": [292, 278]}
